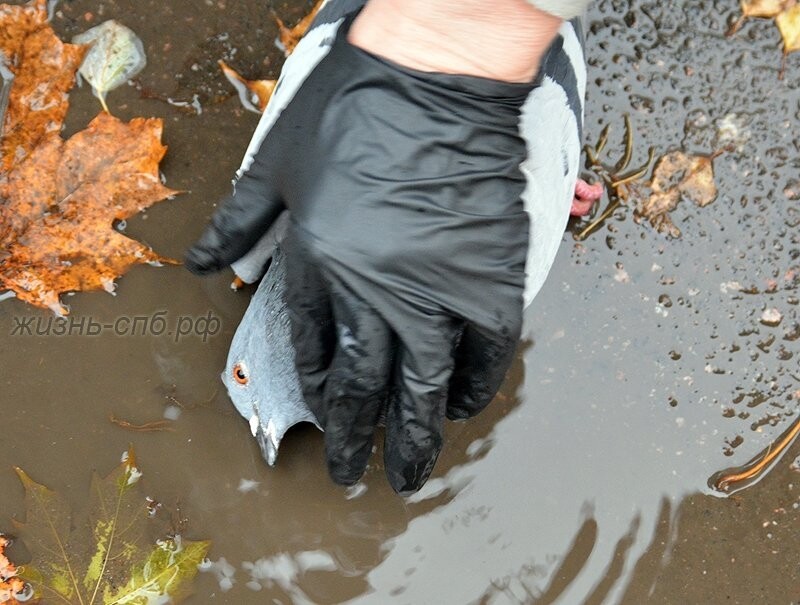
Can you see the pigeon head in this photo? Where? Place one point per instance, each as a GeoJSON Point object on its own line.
{"type": "Point", "coordinates": [260, 373]}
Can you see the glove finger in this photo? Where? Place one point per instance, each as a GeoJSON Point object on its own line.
{"type": "Point", "coordinates": [356, 387]}
{"type": "Point", "coordinates": [240, 221]}
{"type": "Point", "coordinates": [415, 415]}
{"type": "Point", "coordinates": [481, 361]}
{"type": "Point", "coordinates": [313, 332]}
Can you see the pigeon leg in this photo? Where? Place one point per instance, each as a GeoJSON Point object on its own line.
{"type": "Point", "coordinates": [585, 197]}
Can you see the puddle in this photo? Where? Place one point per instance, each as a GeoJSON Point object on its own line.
{"type": "Point", "coordinates": [648, 366]}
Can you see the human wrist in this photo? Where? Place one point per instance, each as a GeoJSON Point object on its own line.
{"type": "Point", "coordinates": [458, 36]}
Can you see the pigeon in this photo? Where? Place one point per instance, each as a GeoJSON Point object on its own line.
{"type": "Point", "coordinates": [260, 373]}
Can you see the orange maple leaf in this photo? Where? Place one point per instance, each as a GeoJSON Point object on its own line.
{"type": "Point", "coordinates": [11, 586]}
{"type": "Point", "coordinates": [290, 36]}
{"type": "Point", "coordinates": [255, 94]}
{"type": "Point", "coordinates": [58, 199]}
{"type": "Point", "coordinates": [44, 68]}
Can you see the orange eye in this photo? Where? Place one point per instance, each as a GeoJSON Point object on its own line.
{"type": "Point", "coordinates": [240, 374]}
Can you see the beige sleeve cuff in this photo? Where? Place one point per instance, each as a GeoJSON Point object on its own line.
{"type": "Point", "coordinates": [566, 9]}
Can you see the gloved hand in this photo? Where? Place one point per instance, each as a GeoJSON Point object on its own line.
{"type": "Point", "coordinates": [405, 253]}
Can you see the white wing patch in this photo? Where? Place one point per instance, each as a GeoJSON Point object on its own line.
{"type": "Point", "coordinates": [549, 128]}
{"type": "Point", "coordinates": [313, 47]}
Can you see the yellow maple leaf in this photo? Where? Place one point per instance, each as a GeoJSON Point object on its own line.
{"type": "Point", "coordinates": [786, 14]}
{"type": "Point", "coordinates": [107, 559]}
{"type": "Point", "coordinates": [764, 8]}
{"type": "Point", "coordinates": [789, 25]}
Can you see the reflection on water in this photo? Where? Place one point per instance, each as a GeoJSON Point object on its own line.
{"type": "Point", "coordinates": [649, 365]}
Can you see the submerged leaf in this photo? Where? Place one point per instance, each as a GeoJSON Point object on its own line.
{"type": "Point", "coordinates": [167, 571]}
{"type": "Point", "coordinates": [106, 560]}
{"type": "Point", "coordinates": [115, 55]}
{"type": "Point", "coordinates": [677, 176]}
{"type": "Point", "coordinates": [789, 26]}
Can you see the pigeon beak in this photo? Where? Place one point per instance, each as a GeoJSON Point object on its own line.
{"type": "Point", "coordinates": [268, 441]}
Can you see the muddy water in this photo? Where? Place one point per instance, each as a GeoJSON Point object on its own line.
{"type": "Point", "coordinates": [646, 366]}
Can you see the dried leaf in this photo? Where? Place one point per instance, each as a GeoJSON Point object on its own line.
{"type": "Point", "coordinates": [12, 587]}
{"type": "Point", "coordinates": [57, 209]}
{"type": "Point", "coordinates": [677, 176]}
{"type": "Point", "coordinates": [764, 8]}
{"type": "Point", "coordinates": [253, 94]}
{"type": "Point", "coordinates": [44, 72]}
{"type": "Point", "coordinates": [789, 26]}
{"type": "Point", "coordinates": [106, 560]}
{"type": "Point", "coordinates": [58, 199]}
{"type": "Point", "coordinates": [115, 55]}
{"type": "Point", "coordinates": [289, 37]}
{"type": "Point", "coordinates": [786, 14]}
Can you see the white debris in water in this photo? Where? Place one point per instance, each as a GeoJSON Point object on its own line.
{"type": "Point", "coordinates": [247, 485]}
{"type": "Point", "coordinates": [283, 570]}
{"type": "Point", "coordinates": [115, 56]}
{"type": "Point", "coordinates": [194, 104]}
{"type": "Point", "coordinates": [51, 9]}
{"type": "Point", "coordinates": [222, 570]}
{"type": "Point", "coordinates": [732, 130]}
{"type": "Point", "coordinates": [267, 571]}
{"type": "Point", "coordinates": [172, 412]}
{"type": "Point", "coordinates": [621, 276]}
{"type": "Point", "coordinates": [356, 491]}
{"type": "Point", "coordinates": [771, 317]}
{"type": "Point", "coordinates": [730, 286]}
{"type": "Point", "coordinates": [109, 285]}
{"type": "Point", "coordinates": [134, 476]}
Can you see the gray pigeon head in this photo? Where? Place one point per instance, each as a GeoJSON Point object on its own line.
{"type": "Point", "coordinates": [260, 373]}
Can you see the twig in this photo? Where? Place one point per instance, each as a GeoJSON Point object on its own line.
{"type": "Point", "coordinates": [626, 157]}
{"type": "Point", "coordinates": [591, 227]}
{"type": "Point", "coordinates": [616, 184]}
{"type": "Point", "coordinates": [760, 463]}
{"type": "Point", "coordinates": [156, 425]}
{"type": "Point", "coordinates": [635, 174]}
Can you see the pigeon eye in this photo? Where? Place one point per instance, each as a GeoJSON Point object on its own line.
{"type": "Point", "coordinates": [240, 374]}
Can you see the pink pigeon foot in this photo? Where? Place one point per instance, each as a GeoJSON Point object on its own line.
{"type": "Point", "coordinates": [585, 197]}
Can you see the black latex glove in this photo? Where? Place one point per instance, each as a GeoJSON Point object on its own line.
{"type": "Point", "coordinates": [406, 250]}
